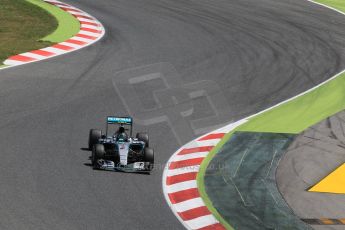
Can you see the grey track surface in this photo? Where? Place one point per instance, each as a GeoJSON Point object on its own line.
{"type": "Point", "coordinates": [202, 63]}
{"type": "Point", "coordinates": [312, 156]}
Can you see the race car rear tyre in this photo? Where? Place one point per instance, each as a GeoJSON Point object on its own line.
{"type": "Point", "coordinates": [149, 157]}
{"type": "Point", "coordinates": [94, 136]}
{"type": "Point", "coordinates": [143, 137]}
{"type": "Point", "coordinates": [98, 152]}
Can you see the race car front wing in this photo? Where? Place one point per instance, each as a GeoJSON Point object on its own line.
{"type": "Point", "coordinates": [132, 167]}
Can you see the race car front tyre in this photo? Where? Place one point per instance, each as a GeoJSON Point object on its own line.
{"type": "Point", "coordinates": [98, 152]}
{"type": "Point", "coordinates": [149, 157]}
{"type": "Point", "coordinates": [94, 136]}
{"type": "Point", "coordinates": [143, 137]}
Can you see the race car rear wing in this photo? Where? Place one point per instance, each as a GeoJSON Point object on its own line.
{"type": "Point", "coordinates": [121, 121]}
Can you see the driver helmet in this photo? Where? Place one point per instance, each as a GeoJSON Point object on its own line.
{"type": "Point", "coordinates": [121, 135]}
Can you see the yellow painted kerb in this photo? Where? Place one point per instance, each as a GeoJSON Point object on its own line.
{"type": "Point", "coordinates": [333, 183]}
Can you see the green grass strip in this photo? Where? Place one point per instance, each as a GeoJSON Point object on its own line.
{"type": "Point", "coordinates": [291, 117]}
{"type": "Point", "coordinates": [336, 4]}
{"type": "Point", "coordinates": [68, 25]}
{"type": "Point", "coordinates": [302, 112]}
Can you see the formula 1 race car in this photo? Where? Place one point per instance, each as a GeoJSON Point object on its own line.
{"type": "Point", "coordinates": [118, 150]}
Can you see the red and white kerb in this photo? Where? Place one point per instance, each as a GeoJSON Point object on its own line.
{"type": "Point", "coordinates": [91, 30]}
{"type": "Point", "coordinates": [180, 185]}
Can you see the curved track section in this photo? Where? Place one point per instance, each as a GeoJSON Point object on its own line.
{"type": "Point", "coordinates": [91, 30]}
{"type": "Point", "coordinates": [180, 68]}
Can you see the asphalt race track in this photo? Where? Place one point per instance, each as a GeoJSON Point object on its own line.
{"type": "Point", "coordinates": [180, 68]}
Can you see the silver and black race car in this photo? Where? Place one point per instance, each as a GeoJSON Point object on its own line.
{"type": "Point", "coordinates": [119, 151]}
